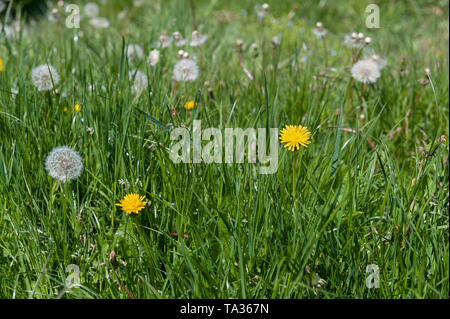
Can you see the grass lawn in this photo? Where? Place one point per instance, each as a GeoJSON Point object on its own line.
{"type": "Point", "coordinates": [361, 212]}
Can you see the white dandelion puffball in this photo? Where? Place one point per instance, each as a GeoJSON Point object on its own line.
{"type": "Point", "coordinates": [319, 31]}
{"type": "Point", "coordinates": [185, 70]}
{"type": "Point", "coordinates": [139, 80]}
{"type": "Point", "coordinates": [365, 71]}
{"type": "Point", "coordinates": [42, 77]}
{"type": "Point", "coordinates": [134, 52]}
{"type": "Point", "coordinates": [163, 41]}
{"type": "Point", "coordinates": [153, 57]}
{"type": "Point", "coordinates": [64, 164]}
{"type": "Point", "coordinates": [179, 41]}
{"type": "Point", "coordinates": [378, 60]}
{"type": "Point", "coordinates": [198, 39]}
{"type": "Point", "coordinates": [91, 10]}
{"type": "Point", "coordinates": [101, 23]}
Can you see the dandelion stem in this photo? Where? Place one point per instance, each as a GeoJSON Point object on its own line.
{"type": "Point", "coordinates": [293, 183]}
{"type": "Point", "coordinates": [194, 24]}
{"type": "Point", "coordinates": [325, 52]}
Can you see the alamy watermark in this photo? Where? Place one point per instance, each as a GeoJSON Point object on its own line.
{"type": "Point", "coordinates": [73, 19]}
{"type": "Point", "coordinates": [72, 280]}
{"type": "Point", "coordinates": [373, 16]}
{"type": "Point", "coordinates": [373, 280]}
{"type": "Point", "coordinates": [213, 150]}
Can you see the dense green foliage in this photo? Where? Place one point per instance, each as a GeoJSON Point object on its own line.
{"type": "Point", "coordinates": [377, 196]}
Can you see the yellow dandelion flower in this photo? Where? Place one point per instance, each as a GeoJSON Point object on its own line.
{"type": "Point", "coordinates": [77, 108]}
{"type": "Point", "coordinates": [1, 65]}
{"type": "Point", "coordinates": [294, 136]}
{"type": "Point", "coordinates": [189, 105]}
{"type": "Point", "coordinates": [132, 203]}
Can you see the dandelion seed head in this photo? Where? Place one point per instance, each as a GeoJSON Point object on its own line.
{"type": "Point", "coordinates": [163, 42]}
{"type": "Point", "coordinates": [378, 60]}
{"type": "Point", "coordinates": [139, 80]}
{"type": "Point", "coordinates": [319, 31]}
{"type": "Point", "coordinates": [153, 57]}
{"type": "Point", "coordinates": [179, 41]}
{"type": "Point", "coordinates": [198, 39]}
{"type": "Point", "coordinates": [135, 52]}
{"type": "Point", "coordinates": [100, 23]}
{"type": "Point", "coordinates": [91, 10]}
{"type": "Point", "coordinates": [185, 70]}
{"type": "Point", "coordinates": [42, 77]}
{"type": "Point", "coordinates": [365, 71]}
{"type": "Point", "coordinates": [64, 164]}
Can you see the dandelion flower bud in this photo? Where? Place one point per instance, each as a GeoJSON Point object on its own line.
{"type": "Point", "coordinates": [319, 25]}
{"type": "Point", "coordinates": [265, 7]}
{"type": "Point", "coordinates": [360, 35]}
{"type": "Point", "coordinates": [180, 53]}
{"type": "Point", "coordinates": [64, 164]}
{"type": "Point", "coordinates": [185, 55]}
{"type": "Point", "coordinates": [427, 71]}
{"type": "Point", "coordinates": [367, 40]}
{"type": "Point", "coordinates": [354, 35]}
{"type": "Point", "coordinates": [239, 42]}
{"type": "Point", "coordinates": [254, 46]}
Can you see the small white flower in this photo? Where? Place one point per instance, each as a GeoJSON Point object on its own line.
{"type": "Point", "coordinates": [198, 39]}
{"type": "Point", "coordinates": [163, 41]}
{"type": "Point", "coordinates": [134, 52]}
{"type": "Point", "coordinates": [42, 77]}
{"type": "Point", "coordinates": [64, 164]}
{"type": "Point", "coordinates": [365, 71]}
{"type": "Point", "coordinates": [139, 80]}
{"type": "Point", "coordinates": [101, 23]}
{"type": "Point", "coordinates": [185, 70]}
{"type": "Point", "coordinates": [153, 57]}
{"type": "Point", "coordinates": [91, 10]}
